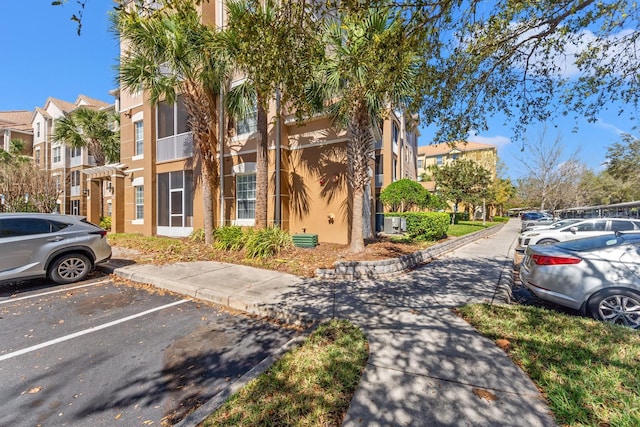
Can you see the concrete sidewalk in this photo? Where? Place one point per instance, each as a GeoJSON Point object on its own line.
{"type": "Point", "coordinates": [427, 367]}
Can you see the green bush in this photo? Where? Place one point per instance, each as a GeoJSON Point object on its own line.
{"type": "Point", "coordinates": [500, 218]}
{"type": "Point", "coordinates": [229, 238]}
{"type": "Point", "coordinates": [105, 222]}
{"type": "Point", "coordinates": [424, 225]}
{"type": "Point", "coordinates": [267, 242]}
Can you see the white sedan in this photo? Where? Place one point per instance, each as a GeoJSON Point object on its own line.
{"type": "Point", "coordinates": [599, 276]}
{"type": "Point", "coordinates": [586, 228]}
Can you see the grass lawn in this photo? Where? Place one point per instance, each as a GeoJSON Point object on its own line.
{"type": "Point", "coordinates": [588, 371]}
{"type": "Point", "coordinates": [466, 227]}
{"type": "Point", "coordinates": [311, 385]}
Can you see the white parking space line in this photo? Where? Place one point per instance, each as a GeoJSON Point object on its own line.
{"type": "Point", "coordinates": [53, 292]}
{"type": "Point", "coordinates": [88, 331]}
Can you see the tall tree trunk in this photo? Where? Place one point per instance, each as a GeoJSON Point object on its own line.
{"type": "Point", "coordinates": [357, 239]}
{"type": "Point", "coordinates": [201, 107]}
{"type": "Point", "coordinates": [359, 151]}
{"type": "Point", "coordinates": [262, 165]}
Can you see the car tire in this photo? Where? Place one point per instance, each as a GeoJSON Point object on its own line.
{"type": "Point", "coordinates": [69, 268]}
{"type": "Point", "coordinates": [616, 305]}
{"type": "Point", "coordinates": [546, 241]}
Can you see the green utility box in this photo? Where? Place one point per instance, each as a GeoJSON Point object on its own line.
{"type": "Point", "coordinates": [305, 240]}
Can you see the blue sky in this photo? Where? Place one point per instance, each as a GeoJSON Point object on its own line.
{"type": "Point", "coordinates": [43, 57]}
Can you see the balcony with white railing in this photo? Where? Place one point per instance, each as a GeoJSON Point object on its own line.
{"type": "Point", "coordinates": [174, 147]}
{"type": "Point", "coordinates": [75, 161]}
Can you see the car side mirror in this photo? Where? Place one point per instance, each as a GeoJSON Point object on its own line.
{"type": "Point", "coordinates": [573, 229]}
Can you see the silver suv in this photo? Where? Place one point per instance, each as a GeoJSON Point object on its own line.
{"type": "Point", "coordinates": [63, 248]}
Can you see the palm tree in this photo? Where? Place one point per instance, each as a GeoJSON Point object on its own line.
{"type": "Point", "coordinates": [90, 129]}
{"type": "Point", "coordinates": [369, 67]}
{"type": "Point", "coordinates": [273, 46]}
{"type": "Point", "coordinates": [169, 52]}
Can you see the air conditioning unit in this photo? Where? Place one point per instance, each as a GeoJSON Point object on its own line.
{"type": "Point", "coordinates": [395, 225]}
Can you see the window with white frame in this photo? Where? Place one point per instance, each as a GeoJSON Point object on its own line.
{"type": "Point", "coordinates": [439, 160]}
{"type": "Point", "coordinates": [246, 197]}
{"type": "Point", "coordinates": [76, 152]}
{"type": "Point", "coordinates": [38, 157]}
{"type": "Point", "coordinates": [139, 138]}
{"type": "Point", "coordinates": [57, 154]}
{"type": "Point", "coordinates": [248, 123]}
{"type": "Point", "coordinates": [419, 163]}
{"type": "Point", "coordinates": [38, 129]}
{"type": "Point", "coordinates": [172, 118]}
{"type": "Point", "coordinates": [75, 178]}
{"type": "Point", "coordinates": [139, 201]}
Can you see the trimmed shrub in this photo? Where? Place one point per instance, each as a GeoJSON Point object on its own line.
{"type": "Point", "coordinates": [267, 242]}
{"type": "Point", "coordinates": [229, 238]}
{"type": "Point", "coordinates": [424, 225]}
{"type": "Point", "coordinates": [501, 218]}
{"type": "Point", "coordinates": [105, 222]}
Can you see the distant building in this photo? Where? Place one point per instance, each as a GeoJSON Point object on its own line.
{"type": "Point", "coordinates": [16, 125]}
{"type": "Point", "coordinates": [485, 155]}
{"type": "Point", "coordinates": [65, 163]}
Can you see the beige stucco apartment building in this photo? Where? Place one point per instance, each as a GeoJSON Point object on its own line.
{"type": "Point", "coordinates": [67, 165]}
{"type": "Point", "coordinates": [486, 155]}
{"type": "Point", "coordinates": [16, 125]}
{"type": "Point", "coordinates": [159, 170]}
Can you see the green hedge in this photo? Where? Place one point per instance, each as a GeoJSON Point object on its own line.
{"type": "Point", "coordinates": [424, 225]}
{"type": "Point", "coordinates": [500, 218]}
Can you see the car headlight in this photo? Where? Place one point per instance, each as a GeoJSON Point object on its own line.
{"type": "Point", "coordinates": [533, 234]}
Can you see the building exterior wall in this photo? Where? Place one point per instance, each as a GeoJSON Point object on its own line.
{"type": "Point", "coordinates": [314, 192]}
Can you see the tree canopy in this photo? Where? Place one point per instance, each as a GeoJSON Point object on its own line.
{"type": "Point", "coordinates": [623, 159]}
{"type": "Point", "coordinates": [404, 195]}
{"type": "Point", "coordinates": [462, 180]}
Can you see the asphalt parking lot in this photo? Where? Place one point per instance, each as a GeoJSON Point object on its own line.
{"type": "Point", "coordinates": [104, 352]}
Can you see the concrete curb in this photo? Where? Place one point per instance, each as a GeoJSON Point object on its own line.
{"type": "Point", "coordinates": [352, 270]}
{"type": "Point", "coordinates": [245, 303]}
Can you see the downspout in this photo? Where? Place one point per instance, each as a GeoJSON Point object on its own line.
{"type": "Point", "coordinates": [221, 125]}
{"type": "Point", "coordinates": [278, 135]}
{"type": "Point", "coordinates": [221, 137]}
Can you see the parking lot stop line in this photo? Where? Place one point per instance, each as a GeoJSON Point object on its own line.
{"type": "Point", "coordinates": [88, 331]}
{"type": "Point", "coordinates": [53, 292]}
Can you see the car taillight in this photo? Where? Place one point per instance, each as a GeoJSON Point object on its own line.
{"type": "Point", "coordinates": [102, 233]}
{"type": "Point", "coordinates": [554, 260]}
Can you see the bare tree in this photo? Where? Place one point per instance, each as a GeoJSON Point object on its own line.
{"type": "Point", "coordinates": [551, 177]}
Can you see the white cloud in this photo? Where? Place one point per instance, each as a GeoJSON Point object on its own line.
{"type": "Point", "coordinates": [608, 126]}
{"type": "Point", "coordinates": [612, 46]}
{"type": "Point", "coordinates": [498, 140]}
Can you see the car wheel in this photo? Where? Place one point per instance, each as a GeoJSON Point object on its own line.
{"type": "Point", "coordinates": [546, 241]}
{"type": "Point", "coordinates": [619, 306]}
{"type": "Point", "coordinates": [69, 268]}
